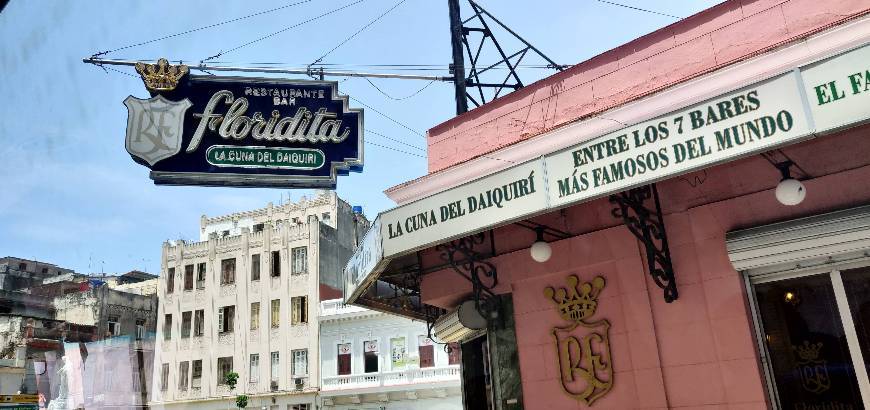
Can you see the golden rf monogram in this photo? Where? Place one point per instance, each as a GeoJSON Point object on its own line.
{"type": "Point", "coordinates": [583, 346]}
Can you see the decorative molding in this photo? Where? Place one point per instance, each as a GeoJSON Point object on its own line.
{"type": "Point", "coordinates": [228, 290]}
{"type": "Point", "coordinates": [299, 330]}
{"type": "Point", "coordinates": [222, 390]}
{"type": "Point", "coordinates": [274, 334]}
{"type": "Point", "coordinates": [298, 281]}
{"type": "Point", "coordinates": [226, 339]}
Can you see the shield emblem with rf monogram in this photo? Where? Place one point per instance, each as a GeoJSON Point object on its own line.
{"type": "Point", "coordinates": [154, 127]}
{"type": "Point", "coordinates": [584, 360]}
{"type": "Point", "coordinates": [583, 346]}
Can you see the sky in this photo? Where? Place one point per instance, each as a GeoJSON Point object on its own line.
{"type": "Point", "coordinates": [71, 194]}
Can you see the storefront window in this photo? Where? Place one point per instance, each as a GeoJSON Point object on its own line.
{"type": "Point", "coordinates": [811, 364]}
{"type": "Point", "coordinates": [857, 285]}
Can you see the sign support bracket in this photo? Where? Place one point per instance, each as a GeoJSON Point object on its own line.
{"type": "Point", "coordinates": [648, 226]}
{"type": "Point", "coordinates": [468, 262]}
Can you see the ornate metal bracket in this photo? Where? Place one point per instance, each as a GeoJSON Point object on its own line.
{"type": "Point", "coordinates": [461, 255]}
{"type": "Point", "coordinates": [649, 227]}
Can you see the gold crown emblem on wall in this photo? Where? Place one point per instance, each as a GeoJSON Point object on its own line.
{"type": "Point", "coordinates": [161, 76]}
{"type": "Point", "coordinates": [808, 351]}
{"type": "Point", "coordinates": [576, 303]}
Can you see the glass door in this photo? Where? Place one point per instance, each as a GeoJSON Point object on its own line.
{"type": "Point", "coordinates": [811, 328]}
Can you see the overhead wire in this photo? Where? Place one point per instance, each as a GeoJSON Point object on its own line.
{"type": "Point", "coordinates": [221, 53]}
{"type": "Point", "coordinates": [415, 93]}
{"type": "Point", "coordinates": [388, 117]}
{"type": "Point", "coordinates": [363, 28]}
{"type": "Point", "coordinates": [394, 140]}
{"type": "Point", "coordinates": [101, 53]}
{"type": "Point", "coordinates": [613, 3]}
{"type": "Point", "coordinates": [394, 149]}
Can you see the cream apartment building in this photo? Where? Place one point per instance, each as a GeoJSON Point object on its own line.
{"type": "Point", "coordinates": [245, 299]}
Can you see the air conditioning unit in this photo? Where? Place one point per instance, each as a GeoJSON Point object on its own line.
{"type": "Point", "coordinates": [273, 385]}
{"type": "Point", "coordinates": [460, 323]}
{"type": "Point", "coordinates": [300, 383]}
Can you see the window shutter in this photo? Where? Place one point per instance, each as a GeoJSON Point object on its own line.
{"type": "Point", "coordinates": [220, 320]}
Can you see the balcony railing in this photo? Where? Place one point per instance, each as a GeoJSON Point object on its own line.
{"type": "Point", "coordinates": [395, 378]}
{"type": "Point", "coordinates": [337, 307]}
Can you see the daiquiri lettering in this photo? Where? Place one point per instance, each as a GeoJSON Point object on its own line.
{"type": "Point", "coordinates": [304, 126]}
{"type": "Point", "coordinates": [497, 197]}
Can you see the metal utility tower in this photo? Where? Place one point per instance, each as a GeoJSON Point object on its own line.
{"type": "Point", "coordinates": [460, 31]}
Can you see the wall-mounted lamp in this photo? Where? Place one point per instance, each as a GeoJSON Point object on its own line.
{"type": "Point", "coordinates": [789, 191]}
{"type": "Point", "coordinates": [541, 250]}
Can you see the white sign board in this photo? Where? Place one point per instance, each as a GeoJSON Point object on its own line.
{"type": "Point", "coordinates": [838, 89]}
{"type": "Point", "coordinates": [491, 200]}
{"type": "Point", "coordinates": [750, 120]}
{"type": "Point", "coordinates": [368, 256]}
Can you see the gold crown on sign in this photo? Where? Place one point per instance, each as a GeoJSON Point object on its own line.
{"type": "Point", "coordinates": [576, 303]}
{"type": "Point", "coordinates": [808, 351]}
{"type": "Point", "coordinates": [161, 76]}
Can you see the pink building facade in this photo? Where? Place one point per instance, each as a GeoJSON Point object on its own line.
{"type": "Point", "coordinates": [677, 277]}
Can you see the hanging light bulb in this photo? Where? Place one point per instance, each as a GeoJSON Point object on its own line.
{"type": "Point", "coordinates": [541, 250]}
{"type": "Point", "coordinates": [789, 191]}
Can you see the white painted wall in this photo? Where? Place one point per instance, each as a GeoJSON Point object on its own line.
{"type": "Point", "coordinates": [418, 388]}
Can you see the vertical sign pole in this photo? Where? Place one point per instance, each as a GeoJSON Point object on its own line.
{"type": "Point", "coordinates": [458, 59]}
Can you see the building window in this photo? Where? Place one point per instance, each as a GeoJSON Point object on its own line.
{"type": "Point", "coordinates": [140, 329]}
{"type": "Point", "coordinates": [300, 362]}
{"type": "Point", "coordinates": [259, 227]}
{"type": "Point", "coordinates": [304, 406]}
{"type": "Point", "coordinates": [325, 217]}
{"type": "Point", "coordinates": [183, 368]}
{"type": "Point", "coordinates": [344, 359]}
{"type": "Point", "coordinates": [426, 351]}
{"type": "Point", "coordinates": [196, 374]}
{"type": "Point", "coordinates": [113, 328]}
{"type": "Point", "coordinates": [276, 263]}
{"type": "Point", "coordinates": [225, 233]}
{"type": "Point", "coordinates": [225, 319]}
{"type": "Point", "coordinates": [22, 266]}
{"type": "Point", "coordinates": [454, 356]}
{"type": "Point", "coordinates": [200, 276]}
{"type": "Point", "coordinates": [167, 327]}
{"type": "Point", "coordinates": [254, 370]}
{"type": "Point", "coordinates": [275, 318]}
{"type": "Point", "coordinates": [255, 266]}
{"type": "Point", "coordinates": [276, 365]}
{"type": "Point", "coordinates": [199, 322]}
{"type": "Point", "coordinates": [224, 367]}
{"type": "Point", "coordinates": [164, 377]}
{"type": "Point", "coordinates": [255, 315]}
{"type": "Point", "coordinates": [188, 277]}
{"type": "Point", "coordinates": [44, 270]}
{"type": "Point", "coordinates": [170, 280]}
{"type": "Point", "coordinates": [370, 356]}
{"type": "Point", "coordinates": [398, 353]}
{"type": "Point", "coordinates": [811, 362]}
{"type": "Point", "coordinates": [186, 322]}
{"type": "Point", "coordinates": [299, 305]}
{"type": "Point", "coordinates": [228, 271]}
{"type": "Point", "coordinates": [300, 260]}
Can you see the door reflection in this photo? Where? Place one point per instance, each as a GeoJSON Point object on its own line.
{"type": "Point", "coordinates": [809, 354]}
